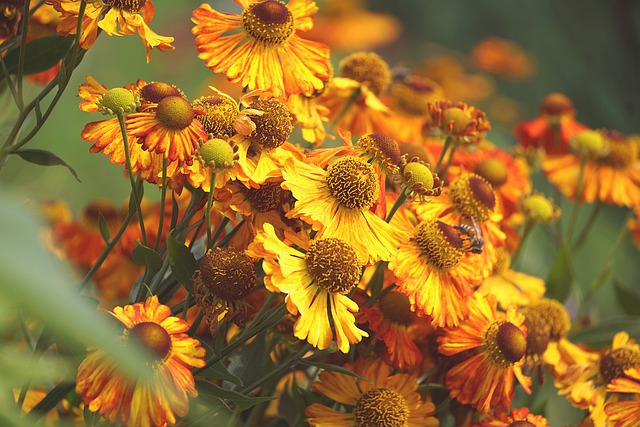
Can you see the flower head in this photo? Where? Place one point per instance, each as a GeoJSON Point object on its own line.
{"type": "Point", "coordinates": [625, 413]}
{"type": "Point", "coordinates": [464, 124]}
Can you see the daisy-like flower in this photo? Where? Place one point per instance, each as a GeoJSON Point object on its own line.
{"type": "Point", "coordinates": [553, 129]}
{"type": "Point", "coordinates": [377, 399]}
{"type": "Point", "coordinates": [115, 18]}
{"type": "Point", "coordinates": [463, 123]}
{"type": "Point", "coordinates": [266, 53]}
{"type": "Point", "coordinates": [513, 418]}
{"type": "Point", "coordinates": [337, 203]}
{"type": "Point", "coordinates": [497, 344]}
{"type": "Point", "coordinates": [418, 180]}
{"type": "Point", "coordinates": [143, 402]}
{"type": "Point", "coordinates": [316, 278]}
{"type": "Point", "coordinates": [627, 412]}
{"type": "Point", "coordinates": [611, 174]}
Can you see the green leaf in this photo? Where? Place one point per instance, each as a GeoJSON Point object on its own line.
{"type": "Point", "coordinates": [52, 398]}
{"type": "Point", "coordinates": [43, 158]}
{"type": "Point", "coordinates": [206, 388]}
{"type": "Point", "coordinates": [148, 257]}
{"type": "Point", "coordinates": [330, 367]}
{"type": "Point", "coordinates": [561, 275]}
{"type": "Point", "coordinates": [219, 371]}
{"type": "Point", "coordinates": [182, 262]}
{"type": "Point", "coordinates": [247, 364]}
{"type": "Point", "coordinates": [42, 53]}
{"type": "Point", "coordinates": [104, 228]}
{"type": "Point", "coordinates": [628, 298]}
{"type": "Point", "coordinates": [601, 334]}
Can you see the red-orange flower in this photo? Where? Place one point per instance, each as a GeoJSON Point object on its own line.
{"type": "Point", "coordinates": [627, 412]}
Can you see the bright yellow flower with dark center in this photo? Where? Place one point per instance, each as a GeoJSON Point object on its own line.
{"type": "Point", "coordinates": [316, 279]}
{"type": "Point", "coordinates": [141, 402]}
{"type": "Point", "coordinates": [266, 53]}
{"type": "Point", "coordinates": [119, 18]}
{"type": "Point", "coordinates": [376, 398]}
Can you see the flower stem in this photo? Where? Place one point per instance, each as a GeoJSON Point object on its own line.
{"type": "Point", "coordinates": [402, 197]}
{"type": "Point", "coordinates": [207, 212]}
{"type": "Point", "coordinates": [163, 198]}
{"type": "Point", "coordinates": [582, 237]}
{"type": "Point", "coordinates": [528, 226]}
{"type": "Point", "coordinates": [578, 202]}
{"type": "Point", "coordinates": [445, 148]}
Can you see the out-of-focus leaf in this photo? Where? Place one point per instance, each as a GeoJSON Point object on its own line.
{"type": "Point", "coordinates": [206, 388]}
{"type": "Point", "coordinates": [330, 367]}
{"type": "Point", "coordinates": [248, 362]}
{"type": "Point", "coordinates": [628, 298]}
{"type": "Point", "coordinates": [42, 54]}
{"type": "Point", "coordinates": [219, 371]}
{"type": "Point", "coordinates": [52, 398]}
{"type": "Point", "coordinates": [183, 263]}
{"type": "Point", "coordinates": [104, 228]}
{"type": "Point", "coordinates": [561, 275]}
{"type": "Point", "coordinates": [601, 334]}
{"type": "Point", "coordinates": [148, 257]}
{"type": "Point", "coordinates": [43, 158]}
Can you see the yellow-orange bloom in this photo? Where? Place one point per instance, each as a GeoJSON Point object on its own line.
{"type": "Point", "coordinates": [503, 57]}
{"type": "Point", "coordinates": [463, 123]}
{"type": "Point", "coordinates": [514, 418]}
{"type": "Point", "coordinates": [625, 413]}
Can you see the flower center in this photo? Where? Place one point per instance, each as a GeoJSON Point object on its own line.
{"type": "Point", "coordinates": [217, 153]}
{"type": "Point", "coordinates": [521, 423]}
{"type": "Point", "coordinates": [227, 273]}
{"type": "Point", "coordinates": [621, 152]}
{"type": "Point", "coordinates": [473, 197]}
{"type": "Point", "coordinates": [157, 91]}
{"type": "Point", "coordinates": [269, 21]}
{"type": "Point", "coordinates": [418, 173]}
{"type": "Point", "coordinates": [367, 68]}
{"type": "Point", "coordinates": [274, 126]}
{"type": "Point", "coordinates": [396, 308]}
{"type": "Point", "coordinates": [175, 112]}
{"type": "Point", "coordinates": [505, 343]}
{"type": "Point", "coordinates": [333, 264]}
{"type": "Point", "coordinates": [538, 208]}
{"type": "Point", "coordinates": [413, 94]}
{"type": "Point", "coordinates": [547, 320]}
{"type": "Point", "coordinates": [118, 100]}
{"type": "Point", "coordinates": [220, 114]}
{"type": "Point", "coordinates": [454, 120]}
{"type": "Point", "coordinates": [268, 197]}
{"type": "Point", "coordinates": [384, 149]}
{"type": "Point", "coordinates": [413, 150]}
{"type": "Point", "coordinates": [441, 244]}
{"type": "Point", "coordinates": [153, 337]}
{"type": "Point", "coordinates": [614, 363]}
{"type": "Point", "coordinates": [494, 171]}
{"type": "Point", "coordinates": [132, 6]}
{"type": "Point", "coordinates": [353, 182]}
{"type": "Point", "coordinates": [588, 142]}
{"type": "Point", "coordinates": [381, 407]}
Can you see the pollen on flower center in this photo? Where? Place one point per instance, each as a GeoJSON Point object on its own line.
{"type": "Point", "coordinates": [505, 343]}
{"type": "Point", "coordinates": [269, 21]}
{"type": "Point", "coordinates": [220, 114]}
{"type": "Point", "coordinates": [441, 244]}
{"type": "Point", "coordinates": [614, 363]}
{"type": "Point", "coordinates": [227, 273]}
{"type": "Point", "coordinates": [175, 112]}
{"type": "Point", "coordinates": [353, 182]}
{"type": "Point", "coordinates": [418, 173]}
{"type": "Point", "coordinates": [396, 308]}
{"type": "Point", "coordinates": [132, 6]}
{"type": "Point", "coordinates": [473, 197]}
{"type": "Point", "coordinates": [157, 91]}
{"type": "Point", "coordinates": [368, 68]}
{"type": "Point", "coordinates": [383, 147]}
{"type": "Point", "coordinates": [274, 126]}
{"type": "Point", "coordinates": [268, 197]}
{"type": "Point", "coordinates": [333, 264]}
{"type": "Point", "coordinates": [547, 320]}
{"type": "Point", "coordinates": [494, 171]}
{"type": "Point", "coordinates": [218, 154]}
{"type": "Point", "coordinates": [153, 337]}
{"type": "Point", "coordinates": [118, 100]}
{"type": "Point", "coordinates": [381, 407]}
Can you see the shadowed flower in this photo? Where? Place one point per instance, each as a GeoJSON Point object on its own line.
{"type": "Point", "coordinates": [144, 402]}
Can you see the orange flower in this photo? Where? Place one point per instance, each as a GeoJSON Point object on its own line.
{"type": "Point", "coordinates": [464, 124]}
{"type": "Point", "coordinates": [516, 417]}
{"type": "Point", "coordinates": [119, 18]}
{"type": "Point", "coordinates": [495, 343]}
{"type": "Point", "coordinates": [503, 57]}
{"type": "Point", "coordinates": [266, 53]}
{"type": "Point", "coordinates": [625, 413]}
{"type": "Point", "coordinates": [143, 402]}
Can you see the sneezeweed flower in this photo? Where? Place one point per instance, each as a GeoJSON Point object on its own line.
{"type": "Point", "coordinates": [553, 129]}
{"type": "Point", "coordinates": [224, 277]}
{"type": "Point", "coordinates": [513, 418]}
{"type": "Point", "coordinates": [625, 413]}
{"type": "Point", "coordinates": [52, 418]}
{"type": "Point", "coordinates": [337, 203]}
{"type": "Point", "coordinates": [316, 275]}
{"type": "Point", "coordinates": [265, 42]}
{"type": "Point", "coordinates": [504, 58]}
{"type": "Point", "coordinates": [612, 176]}
{"type": "Point", "coordinates": [536, 207]}
{"type": "Point", "coordinates": [160, 400]}
{"type": "Point", "coordinates": [462, 123]}
{"type": "Point", "coordinates": [115, 18]}
{"type": "Point", "coordinates": [418, 181]}
{"type": "Point", "coordinates": [547, 321]}
{"type": "Point", "coordinates": [497, 344]}
{"type": "Point", "coordinates": [377, 399]}
{"type": "Point", "coordinates": [220, 114]}
{"type": "Point", "coordinates": [310, 116]}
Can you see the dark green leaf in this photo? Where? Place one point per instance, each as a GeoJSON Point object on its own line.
{"type": "Point", "coordinates": [52, 398]}
{"type": "Point", "coordinates": [601, 334]}
{"type": "Point", "coordinates": [247, 364]}
{"type": "Point", "coordinates": [182, 262]}
{"type": "Point", "coordinates": [104, 228]}
{"type": "Point", "coordinates": [206, 388]}
{"type": "Point", "coordinates": [219, 371]}
{"type": "Point", "coordinates": [329, 367]}
{"type": "Point", "coordinates": [42, 54]}
{"type": "Point", "coordinates": [43, 158]}
{"type": "Point", "coordinates": [561, 275]}
{"type": "Point", "coordinates": [148, 257]}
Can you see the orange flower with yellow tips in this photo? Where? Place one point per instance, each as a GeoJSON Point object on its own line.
{"type": "Point", "coordinates": [625, 413]}
{"type": "Point", "coordinates": [263, 49]}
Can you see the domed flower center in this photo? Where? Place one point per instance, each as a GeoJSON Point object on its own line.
{"type": "Point", "coordinates": [157, 91]}
{"type": "Point", "coordinates": [396, 308]}
{"type": "Point", "coordinates": [269, 21]}
{"type": "Point", "coordinates": [383, 148]}
{"type": "Point", "coordinates": [473, 197]}
{"type": "Point", "coordinates": [132, 6]}
{"type": "Point", "coordinates": [217, 153]}
{"type": "Point", "coordinates": [227, 273]}
{"type": "Point", "coordinates": [539, 208]}
{"type": "Point", "coordinates": [367, 68]}
{"type": "Point", "coordinates": [521, 423]}
{"type": "Point", "coordinates": [413, 94]}
{"type": "Point", "coordinates": [268, 197]}
{"type": "Point", "coordinates": [494, 171]}
{"type": "Point", "coordinates": [118, 100]}
{"type": "Point", "coordinates": [381, 407]}
{"type": "Point", "coordinates": [353, 182]}
{"type": "Point", "coordinates": [152, 337]}
{"type": "Point", "coordinates": [420, 174]}
{"type": "Point", "coordinates": [614, 363]}
{"type": "Point", "coordinates": [556, 104]}
{"type": "Point", "coordinates": [274, 126]}
{"type": "Point", "coordinates": [547, 320]}
{"type": "Point", "coordinates": [440, 244]}
{"type": "Point", "coordinates": [589, 143]}
{"type": "Point", "coordinates": [333, 264]}
{"type": "Point", "coordinates": [503, 262]}
{"type": "Point", "coordinates": [505, 343]}
{"type": "Point", "coordinates": [622, 152]}
{"type": "Point", "coordinates": [454, 120]}
{"type": "Point", "coordinates": [220, 114]}
{"type": "Point", "coordinates": [175, 112]}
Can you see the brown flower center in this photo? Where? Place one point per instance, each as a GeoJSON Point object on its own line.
{"type": "Point", "coordinates": [353, 182]}
{"type": "Point", "coordinates": [220, 114]}
{"type": "Point", "coordinates": [132, 6]}
{"type": "Point", "coordinates": [227, 273]}
{"type": "Point", "coordinates": [175, 112]}
{"type": "Point", "coordinates": [396, 308]}
{"type": "Point", "coordinates": [333, 264]}
{"type": "Point", "coordinates": [157, 91]}
{"type": "Point", "coordinates": [274, 126]}
{"type": "Point", "coordinates": [413, 150]}
{"type": "Point", "coordinates": [269, 21]}
{"type": "Point", "coordinates": [614, 363]}
{"type": "Point", "coordinates": [547, 320]}
{"type": "Point", "coordinates": [268, 197]}
{"type": "Point", "coordinates": [473, 197]}
{"type": "Point", "coordinates": [367, 68]}
{"type": "Point", "coordinates": [440, 244]}
{"type": "Point", "coordinates": [494, 171]}
{"type": "Point", "coordinates": [505, 343]}
{"type": "Point", "coordinates": [153, 337]}
{"type": "Point", "coordinates": [384, 149]}
{"type": "Point", "coordinates": [381, 407]}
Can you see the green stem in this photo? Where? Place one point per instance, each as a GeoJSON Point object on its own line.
{"type": "Point", "coordinates": [207, 212]}
{"type": "Point", "coordinates": [449, 159]}
{"type": "Point", "coordinates": [585, 231]}
{"type": "Point", "coordinates": [578, 202]}
{"type": "Point", "coordinates": [445, 148]}
{"type": "Point", "coordinates": [22, 54]}
{"type": "Point", "coordinates": [278, 370]}
{"type": "Point", "coordinates": [345, 108]}
{"type": "Point", "coordinates": [402, 197]}
{"type": "Point", "coordinates": [163, 198]}
{"type": "Point", "coordinates": [528, 226]}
